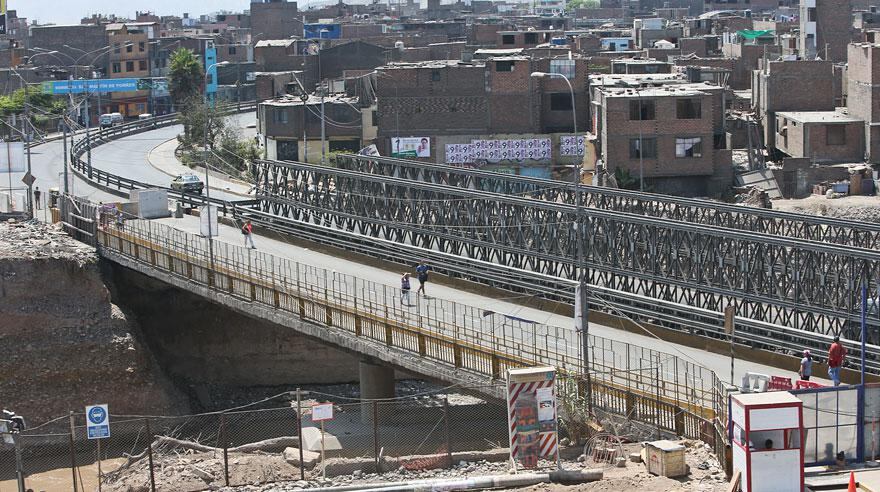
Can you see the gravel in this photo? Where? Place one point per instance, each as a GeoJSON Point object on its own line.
{"type": "Point", "coordinates": [36, 241]}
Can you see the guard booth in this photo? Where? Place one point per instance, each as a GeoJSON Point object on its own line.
{"type": "Point", "coordinates": [766, 435]}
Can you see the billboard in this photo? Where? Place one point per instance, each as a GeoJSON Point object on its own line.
{"type": "Point", "coordinates": [411, 147]}
{"type": "Point", "coordinates": [2, 16]}
{"type": "Point", "coordinates": [158, 85]}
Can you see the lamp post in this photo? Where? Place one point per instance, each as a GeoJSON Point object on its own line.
{"type": "Point", "coordinates": [323, 90]}
{"type": "Point", "coordinates": [205, 146]}
{"type": "Point", "coordinates": [582, 307]}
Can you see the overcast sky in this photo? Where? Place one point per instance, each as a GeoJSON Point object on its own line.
{"type": "Point", "coordinates": [71, 11]}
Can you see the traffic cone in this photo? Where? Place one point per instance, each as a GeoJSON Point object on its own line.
{"type": "Point", "coordinates": [852, 483]}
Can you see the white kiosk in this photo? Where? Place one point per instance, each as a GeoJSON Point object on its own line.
{"type": "Point", "coordinates": [767, 432]}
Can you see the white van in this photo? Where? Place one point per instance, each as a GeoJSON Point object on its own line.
{"type": "Point", "coordinates": [110, 119]}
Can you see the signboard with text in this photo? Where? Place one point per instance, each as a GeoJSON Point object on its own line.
{"type": "Point", "coordinates": [322, 411]}
{"type": "Point", "coordinates": [82, 86]}
{"type": "Point", "coordinates": [411, 147]}
{"type": "Point", "coordinates": [97, 421]}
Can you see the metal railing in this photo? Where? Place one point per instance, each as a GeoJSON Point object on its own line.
{"type": "Point", "coordinates": [645, 385]}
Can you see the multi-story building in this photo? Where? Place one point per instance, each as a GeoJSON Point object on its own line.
{"type": "Point", "coordinates": [275, 19]}
{"type": "Point", "coordinates": [826, 28]}
{"type": "Point", "coordinates": [772, 91]}
{"type": "Point", "coordinates": [490, 112]}
{"type": "Point", "coordinates": [671, 135]}
{"type": "Point", "coordinates": [130, 58]}
{"type": "Point", "coordinates": [863, 93]}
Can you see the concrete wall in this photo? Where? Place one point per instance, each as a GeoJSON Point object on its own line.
{"type": "Point", "coordinates": [810, 140]}
{"type": "Point", "coordinates": [201, 343]}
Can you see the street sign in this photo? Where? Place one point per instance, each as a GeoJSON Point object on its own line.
{"type": "Point", "coordinates": [28, 179]}
{"type": "Point", "coordinates": [322, 411]}
{"type": "Point", "coordinates": [97, 421]}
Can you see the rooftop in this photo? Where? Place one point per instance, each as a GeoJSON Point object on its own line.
{"type": "Point", "coordinates": [264, 43]}
{"type": "Point", "coordinates": [818, 116]}
{"type": "Point", "coordinates": [677, 90]}
{"type": "Point", "coordinates": [288, 100]}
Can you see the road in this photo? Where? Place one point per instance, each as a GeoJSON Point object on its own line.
{"type": "Point", "coordinates": [126, 157]}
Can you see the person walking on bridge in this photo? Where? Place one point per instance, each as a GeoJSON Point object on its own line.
{"type": "Point", "coordinates": [422, 274]}
{"type": "Point", "coordinates": [806, 369]}
{"type": "Point", "coordinates": [836, 356]}
{"type": "Point", "coordinates": [248, 230]}
{"type": "Point", "coordinates": [404, 289]}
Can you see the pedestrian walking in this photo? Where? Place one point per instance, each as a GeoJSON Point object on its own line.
{"type": "Point", "coordinates": [120, 220]}
{"type": "Point", "coordinates": [37, 194]}
{"type": "Point", "coordinates": [248, 230]}
{"type": "Point", "coordinates": [422, 274]}
{"type": "Point", "coordinates": [404, 289]}
{"type": "Point", "coordinates": [806, 369]}
{"type": "Point", "coordinates": [836, 355]}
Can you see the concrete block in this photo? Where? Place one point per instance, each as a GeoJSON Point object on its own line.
{"type": "Point", "coordinates": [152, 203]}
{"type": "Point", "coordinates": [635, 457]}
{"type": "Point", "coordinates": [310, 458]}
{"type": "Point", "coordinates": [312, 440]}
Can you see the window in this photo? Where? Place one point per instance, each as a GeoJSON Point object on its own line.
{"type": "Point", "coordinates": [375, 118]}
{"type": "Point", "coordinates": [279, 115]}
{"type": "Point", "coordinates": [129, 66]}
{"type": "Point", "coordinates": [687, 109]}
{"type": "Point", "coordinates": [142, 46]}
{"type": "Point", "coordinates": [116, 48]}
{"type": "Point", "coordinates": [835, 135]}
{"type": "Point", "coordinates": [563, 67]}
{"type": "Point", "coordinates": [232, 50]}
{"type": "Point", "coordinates": [508, 39]}
{"type": "Point", "coordinates": [646, 149]}
{"type": "Point", "coordinates": [531, 38]}
{"type": "Point", "coordinates": [141, 108]}
{"type": "Point", "coordinates": [142, 65]}
{"type": "Point", "coordinates": [435, 75]}
{"type": "Point", "coordinates": [116, 67]}
{"type": "Point", "coordinates": [811, 14]}
{"type": "Point", "coordinates": [560, 101]}
{"type": "Point", "coordinates": [287, 150]}
{"type": "Point", "coordinates": [129, 47]}
{"type": "Point", "coordinates": [689, 147]}
{"type": "Point", "coordinates": [504, 66]}
{"type": "Point", "coordinates": [640, 109]}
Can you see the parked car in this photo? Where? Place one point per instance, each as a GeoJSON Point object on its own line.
{"type": "Point", "coordinates": [188, 183]}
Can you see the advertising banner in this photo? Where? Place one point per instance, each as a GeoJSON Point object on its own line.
{"type": "Point", "coordinates": [12, 157]}
{"type": "Point", "coordinates": [89, 85]}
{"type": "Point", "coordinates": [411, 147]}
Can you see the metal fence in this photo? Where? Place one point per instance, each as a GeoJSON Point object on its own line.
{"type": "Point", "coordinates": [197, 452]}
{"type": "Point", "coordinates": [657, 388]}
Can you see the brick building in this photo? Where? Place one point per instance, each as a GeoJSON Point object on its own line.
{"type": "Point", "coordinates": [863, 93]}
{"type": "Point", "coordinates": [454, 103]}
{"type": "Point", "coordinates": [72, 40]}
{"type": "Point", "coordinates": [775, 88]}
{"type": "Point", "coordinates": [524, 39]}
{"type": "Point", "coordinates": [275, 19]}
{"type": "Point", "coordinates": [826, 28]}
{"type": "Point", "coordinates": [291, 127]}
{"type": "Point", "coordinates": [822, 136]}
{"type": "Point", "coordinates": [671, 135]}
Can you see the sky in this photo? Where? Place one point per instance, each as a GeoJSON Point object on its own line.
{"type": "Point", "coordinates": [71, 11]}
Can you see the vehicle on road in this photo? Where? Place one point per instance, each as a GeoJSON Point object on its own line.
{"type": "Point", "coordinates": [188, 183]}
{"type": "Point", "coordinates": [110, 119]}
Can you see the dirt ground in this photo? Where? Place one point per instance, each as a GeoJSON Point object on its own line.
{"type": "Point", "coordinates": [864, 208]}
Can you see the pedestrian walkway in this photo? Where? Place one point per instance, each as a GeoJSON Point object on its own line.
{"type": "Point", "coordinates": [163, 159]}
{"type": "Point", "coordinates": [508, 306]}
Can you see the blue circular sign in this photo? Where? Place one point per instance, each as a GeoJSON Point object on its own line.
{"type": "Point", "coordinates": [97, 415]}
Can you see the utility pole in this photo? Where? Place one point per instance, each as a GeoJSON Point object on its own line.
{"type": "Point", "coordinates": [27, 146]}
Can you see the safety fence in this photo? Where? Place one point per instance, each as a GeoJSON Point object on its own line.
{"type": "Point", "coordinates": [240, 447]}
{"type": "Point", "coordinates": [663, 390]}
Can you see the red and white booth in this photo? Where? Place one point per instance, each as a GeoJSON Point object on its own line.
{"type": "Point", "coordinates": [766, 434]}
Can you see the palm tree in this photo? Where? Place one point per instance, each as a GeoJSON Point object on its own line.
{"type": "Point", "coordinates": [186, 76]}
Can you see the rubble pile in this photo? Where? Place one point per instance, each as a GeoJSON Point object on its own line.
{"type": "Point", "coordinates": [35, 240]}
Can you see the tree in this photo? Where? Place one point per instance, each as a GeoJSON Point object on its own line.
{"type": "Point", "coordinates": [186, 77]}
{"type": "Point", "coordinates": [192, 117]}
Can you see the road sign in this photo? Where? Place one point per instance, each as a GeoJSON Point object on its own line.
{"type": "Point", "coordinates": [97, 421]}
{"type": "Point", "coordinates": [322, 411]}
{"type": "Point", "coordinates": [28, 179]}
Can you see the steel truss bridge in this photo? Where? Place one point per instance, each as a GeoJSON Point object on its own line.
{"type": "Point", "coordinates": [786, 273]}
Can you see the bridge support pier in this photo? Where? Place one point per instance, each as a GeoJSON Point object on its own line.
{"type": "Point", "coordinates": [376, 381]}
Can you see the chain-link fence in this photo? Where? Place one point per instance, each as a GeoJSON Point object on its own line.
{"type": "Point", "coordinates": [197, 452]}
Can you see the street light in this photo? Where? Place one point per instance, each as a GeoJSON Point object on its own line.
{"type": "Point", "coordinates": [582, 298]}
{"type": "Point", "coordinates": [321, 81]}
{"type": "Point", "coordinates": [205, 148]}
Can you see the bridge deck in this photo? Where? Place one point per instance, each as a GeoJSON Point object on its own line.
{"type": "Point", "coordinates": [718, 363]}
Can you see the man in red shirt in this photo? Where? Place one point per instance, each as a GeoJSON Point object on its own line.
{"type": "Point", "coordinates": [836, 354]}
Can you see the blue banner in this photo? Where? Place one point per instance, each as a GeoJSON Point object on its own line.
{"type": "Point", "coordinates": [91, 85]}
